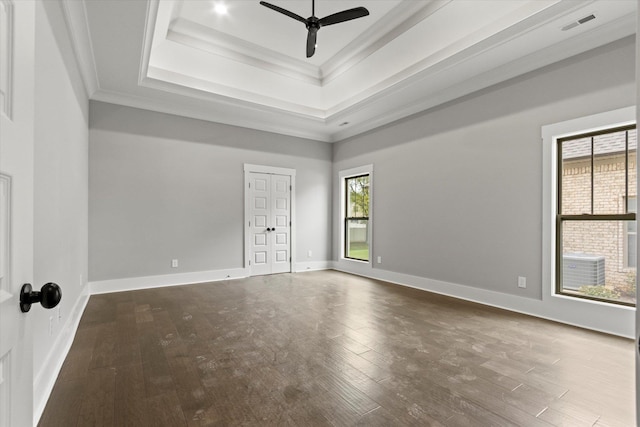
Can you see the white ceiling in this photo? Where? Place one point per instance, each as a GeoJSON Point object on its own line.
{"type": "Point", "coordinates": [248, 67]}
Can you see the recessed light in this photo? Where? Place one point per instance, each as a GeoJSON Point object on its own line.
{"type": "Point", "coordinates": [220, 9]}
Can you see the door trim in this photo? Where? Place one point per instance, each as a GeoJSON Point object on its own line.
{"type": "Point", "coordinates": [248, 169]}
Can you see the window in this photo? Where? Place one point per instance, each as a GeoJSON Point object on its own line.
{"type": "Point", "coordinates": [596, 215]}
{"type": "Point", "coordinates": [356, 217]}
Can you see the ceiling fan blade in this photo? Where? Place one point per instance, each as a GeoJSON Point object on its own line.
{"type": "Point", "coordinates": [284, 12]}
{"type": "Point", "coordinates": [345, 15]}
{"type": "Point", "coordinates": [311, 41]}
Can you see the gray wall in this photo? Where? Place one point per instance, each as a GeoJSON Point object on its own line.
{"type": "Point", "coordinates": [61, 181]}
{"type": "Point", "coordinates": [458, 189]}
{"type": "Point", "coordinates": [164, 187]}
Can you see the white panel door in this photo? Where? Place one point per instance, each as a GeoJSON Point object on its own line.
{"type": "Point", "coordinates": [269, 223]}
{"type": "Point", "coordinates": [280, 224]}
{"type": "Point", "coordinates": [17, 47]}
{"type": "Point", "coordinates": [260, 227]}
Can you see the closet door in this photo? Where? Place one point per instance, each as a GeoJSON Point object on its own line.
{"type": "Point", "coordinates": [270, 223]}
{"type": "Point", "coordinates": [280, 236]}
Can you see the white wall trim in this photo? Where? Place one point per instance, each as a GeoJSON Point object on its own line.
{"type": "Point", "coordinates": [46, 378]}
{"type": "Point", "coordinates": [302, 267]}
{"type": "Point", "coordinates": [606, 318]}
{"type": "Point", "coordinates": [269, 169]}
{"type": "Point", "coordinates": [75, 16]}
{"type": "Point", "coordinates": [163, 280]}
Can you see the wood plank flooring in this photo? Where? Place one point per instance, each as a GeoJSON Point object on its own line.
{"type": "Point", "coordinates": [327, 348]}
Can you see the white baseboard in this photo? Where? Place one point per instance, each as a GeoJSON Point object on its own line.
{"type": "Point", "coordinates": [301, 267]}
{"type": "Point", "coordinates": [46, 378]}
{"type": "Point", "coordinates": [147, 282]}
{"type": "Point", "coordinates": [601, 317]}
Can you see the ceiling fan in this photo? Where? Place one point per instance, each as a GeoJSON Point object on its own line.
{"type": "Point", "coordinates": [313, 24]}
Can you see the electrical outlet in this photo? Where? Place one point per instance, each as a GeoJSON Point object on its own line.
{"type": "Point", "coordinates": [309, 253]}
{"type": "Point", "coordinates": [522, 282]}
{"type": "Point", "coordinates": [379, 260]}
{"type": "Point", "coordinates": [174, 263]}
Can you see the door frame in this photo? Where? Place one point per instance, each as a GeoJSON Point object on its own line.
{"type": "Point", "coordinates": [248, 169]}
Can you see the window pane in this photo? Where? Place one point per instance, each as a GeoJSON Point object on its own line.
{"type": "Point", "coordinates": [609, 173]}
{"type": "Point", "coordinates": [358, 197]}
{"type": "Point", "coordinates": [576, 176]}
{"type": "Point", "coordinates": [357, 240]}
{"type": "Point", "coordinates": [593, 260]}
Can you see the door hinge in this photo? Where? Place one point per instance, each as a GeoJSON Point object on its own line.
{"type": "Point", "coordinates": [249, 262]}
{"type": "Point", "coordinates": [249, 185]}
{"type": "Point", "coordinates": [249, 223]}
{"type": "Point", "coordinates": [291, 188]}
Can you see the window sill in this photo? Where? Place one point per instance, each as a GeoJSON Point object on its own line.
{"type": "Point", "coordinates": [567, 298]}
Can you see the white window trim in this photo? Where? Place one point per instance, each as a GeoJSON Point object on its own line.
{"type": "Point", "coordinates": [347, 173]}
{"type": "Point", "coordinates": [625, 248]}
{"type": "Point", "coordinates": [609, 313]}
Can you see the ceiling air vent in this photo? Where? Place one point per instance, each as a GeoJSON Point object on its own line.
{"type": "Point", "coordinates": [579, 22]}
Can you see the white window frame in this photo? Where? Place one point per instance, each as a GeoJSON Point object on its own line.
{"type": "Point", "coordinates": [625, 231]}
{"type": "Point", "coordinates": [611, 314]}
{"type": "Point", "coordinates": [343, 175]}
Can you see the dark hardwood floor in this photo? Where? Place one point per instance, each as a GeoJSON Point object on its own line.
{"type": "Point", "coordinates": [326, 348]}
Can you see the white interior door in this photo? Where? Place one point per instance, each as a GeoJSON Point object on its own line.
{"type": "Point", "coordinates": [280, 234]}
{"type": "Point", "coordinates": [269, 223]}
{"type": "Point", "coordinates": [17, 47]}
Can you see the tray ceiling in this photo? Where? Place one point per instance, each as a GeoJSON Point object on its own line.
{"type": "Point", "coordinates": [248, 67]}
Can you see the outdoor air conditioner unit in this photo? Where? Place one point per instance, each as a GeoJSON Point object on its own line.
{"type": "Point", "coordinates": [582, 270]}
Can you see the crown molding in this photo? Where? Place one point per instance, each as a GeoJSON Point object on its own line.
{"type": "Point", "coordinates": [177, 83]}
{"type": "Point", "coordinates": [394, 24]}
{"type": "Point", "coordinates": [487, 39]}
{"type": "Point", "coordinates": [218, 43]}
{"type": "Point", "coordinates": [399, 20]}
{"type": "Point", "coordinates": [147, 40]}
{"type": "Point", "coordinates": [250, 116]}
{"type": "Point", "coordinates": [599, 36]}
{"type": "Point", "coordinates": [75, 18]}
